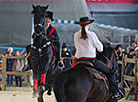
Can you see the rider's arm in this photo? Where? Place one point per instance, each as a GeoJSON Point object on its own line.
{"type": "Point", "coordinates": [97, 43]}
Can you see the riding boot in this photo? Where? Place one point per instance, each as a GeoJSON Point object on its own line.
{"type": "Point", "coordinates": [118, 95]}
{"type": "Point", "coordinates": [100, 66]}
{"type": "Point", "coordinates": [59, 63]}
{"type": "Point", "coordinates": [116, 92]}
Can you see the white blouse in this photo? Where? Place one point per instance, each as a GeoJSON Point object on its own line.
{"type": "Point", "coordinates": [87, 48]}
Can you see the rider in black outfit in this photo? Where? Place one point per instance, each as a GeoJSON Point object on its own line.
{"type": "Point", "coordinates": [53, 36]}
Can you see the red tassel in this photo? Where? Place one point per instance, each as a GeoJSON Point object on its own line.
{"type": "Point", "coordinates": [74, 63]}
{"type": "Point", "coordinates": [35, 84]}
{"type": "Point", "coordinates": [43, 79]}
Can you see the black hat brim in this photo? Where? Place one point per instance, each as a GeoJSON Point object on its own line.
{"type": "Point", "coordinates": [50, 18]}
{"type": "Point", "coordinates": [83, 23]}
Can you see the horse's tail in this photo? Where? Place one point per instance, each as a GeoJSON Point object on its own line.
{"type": "Point", "coordinates": [59, 91]}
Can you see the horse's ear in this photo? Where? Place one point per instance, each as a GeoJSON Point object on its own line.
{"type": "Point", "coordinates": [46, 7]}
{"type": "Point", "coordinates": [32, 12]}
{"type": "Point", "coordinates": [33, 6]}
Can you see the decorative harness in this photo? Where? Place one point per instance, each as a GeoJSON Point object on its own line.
{"type": "Point", "coordinates": [44, 46]}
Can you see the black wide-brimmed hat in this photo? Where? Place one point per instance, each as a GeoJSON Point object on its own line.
{"type": "Point", "coordinates": [49, 14]}
{"type": "Point", "coordinates": [64, 45]}
{"type": "Point", "coordinates": [84, 21]}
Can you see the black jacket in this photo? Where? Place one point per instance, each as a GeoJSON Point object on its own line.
{"type": "Point", "coordinates": [54, 35]}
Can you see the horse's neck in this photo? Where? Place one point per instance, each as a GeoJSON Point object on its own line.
{"type": "Point", "coordinates": [38, 43]}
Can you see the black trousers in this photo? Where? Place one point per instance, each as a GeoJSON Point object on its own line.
{"type": "Point", "coordinates": [57, 49]}
{"type": "Point", "coordinates": [100, 66]}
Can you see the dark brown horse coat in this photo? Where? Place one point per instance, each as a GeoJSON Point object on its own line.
{"type": "Point", "coordinates": [79, 85]}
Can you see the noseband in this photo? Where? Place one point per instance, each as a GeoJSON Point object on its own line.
{"type": "Point", "coordinates": [40, 25]}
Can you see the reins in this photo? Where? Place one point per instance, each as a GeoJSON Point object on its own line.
{"type": "Point", "coordinates": [113, 67]}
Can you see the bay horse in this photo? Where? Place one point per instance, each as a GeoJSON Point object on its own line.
{"type": "Point", "coordinates": [79, 85]}
{"type": "Point", "coordinates": [41, 60]}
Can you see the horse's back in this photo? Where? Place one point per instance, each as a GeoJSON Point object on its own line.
{"type": "Point", "coordinates": [75, 83]}
{"type": "Point", "coordinates": [79, 85]}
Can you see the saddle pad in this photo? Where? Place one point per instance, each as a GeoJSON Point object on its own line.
{"type": "Point", "coordinates": [97, 74]}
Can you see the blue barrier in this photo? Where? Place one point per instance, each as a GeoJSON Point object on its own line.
{"type": "Point", "coordinates": [15, 48]}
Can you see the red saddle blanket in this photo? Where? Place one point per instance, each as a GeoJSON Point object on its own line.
{"type": "Point", "coordinates": [97, 74]}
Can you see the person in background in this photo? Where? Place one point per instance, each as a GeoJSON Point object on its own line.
{"type": "Point", "coordinates": [119, 52]}
{"type": "Point", "coordinates": [66, 53]}
{"type": "Point", "coordinates": [9, 66]}
{"type": "Point", "coordinates": [133, 44]}
{"type": "Point", "coordinates": [17, 67]}
{"type": "Point", "coordinates": [136, 52]}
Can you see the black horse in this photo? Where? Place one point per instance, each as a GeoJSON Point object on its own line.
{"type": "Point", "coordinates": [41, 60]}
{"type": "Point", "coordinates": [80, 85]}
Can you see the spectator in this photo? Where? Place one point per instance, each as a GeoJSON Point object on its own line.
{"type": "Point", "coordinates": [127, 50]}
{"type": "Point", "coordinates": [136, 52]}
{"type": "Point", "coordinates": [134, 44]}
{"type": "Point", "coordinates": [66, 53]}
{"type": "Point", "coordinates": [119, 51]}
{"type": "Point", "coordinates": [18, 66]}
{"type": "Point", "coordinates": [9, 66]}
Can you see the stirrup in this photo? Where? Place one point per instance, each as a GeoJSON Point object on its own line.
{"type": "Point", "coordinates": [117, 96]}
{"type": "Point", "coordinates": [42, 88]}
{"type": "Point", "coordinates": [121, 92]}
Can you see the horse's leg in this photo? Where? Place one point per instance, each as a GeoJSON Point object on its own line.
{"type": "Point", "coordinates": [40, 98]}
{"type": "Point", "coordinates": [42, 82]}
{"type": "Point", "coordinates": [49, 90]}
{"type": "Point", "coordinates": [35, 85]}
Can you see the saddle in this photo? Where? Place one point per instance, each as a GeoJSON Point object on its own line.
{"type": "Point", "coordinates": [97, 74]}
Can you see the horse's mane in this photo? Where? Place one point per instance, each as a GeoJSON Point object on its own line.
{"type": "Point", "coordinates": [108, 52]}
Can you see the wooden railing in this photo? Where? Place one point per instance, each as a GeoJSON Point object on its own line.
{"type": "Point", "coordinates": [133, 79]}
{"type": "Point", "coordinates": [4, 73]}
{"type": "Point", "coordinates": [124, 77]}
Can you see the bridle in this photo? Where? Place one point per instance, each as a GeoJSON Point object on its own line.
{"type": "Point", "coordinates": [40, 25]}
{"type": "Point", "coordinates": [113, 67]}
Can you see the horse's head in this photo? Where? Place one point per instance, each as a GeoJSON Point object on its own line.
{"type": "Point", "coordinates": [108, 56]}
{"type": "Point", "coordinates": [39, 18]}
{"type": "Point", "coordinates": [39, 25]}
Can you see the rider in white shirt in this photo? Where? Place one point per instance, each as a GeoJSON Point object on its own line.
{"type": "Point", "coordinates": [86, 43]}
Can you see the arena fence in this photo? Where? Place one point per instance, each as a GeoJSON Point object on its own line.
{"type": "Point", "coordinates": [131, 88]}
{"type": "Point", "coordinates": [3, 72]}
{"type": "Point", "coordinates": [124, 78]}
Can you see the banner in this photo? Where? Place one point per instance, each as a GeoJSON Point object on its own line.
{"type": "Point", "coordinates": [112, 1]}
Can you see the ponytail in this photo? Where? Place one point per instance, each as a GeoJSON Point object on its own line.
{"type": "Point", "coordinates": [83, 33]}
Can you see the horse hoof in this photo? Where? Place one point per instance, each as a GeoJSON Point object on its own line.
{"type": "Point", "coordinates": [42, 88]}
{"type": "Point", "coordinates": [35, 94]}
{"type": "Point", "coordinates": [49, 93]}
{"type": "Point", "coordinates": [40, 100]}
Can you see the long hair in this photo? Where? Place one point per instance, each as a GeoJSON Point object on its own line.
{"type": "Point", "coordinates": [83, 33]}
